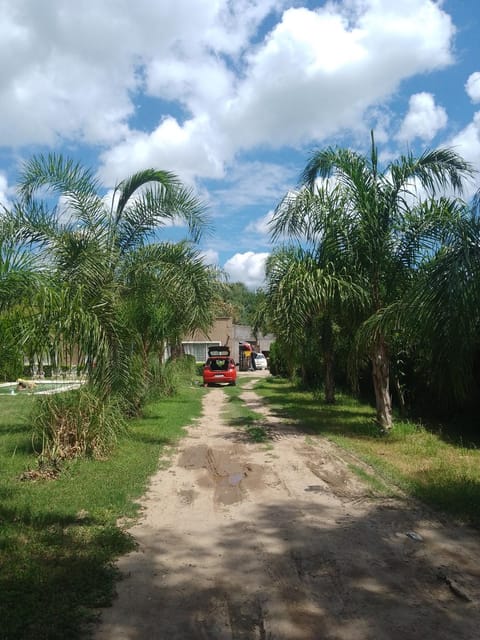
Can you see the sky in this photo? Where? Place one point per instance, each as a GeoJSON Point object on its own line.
{"type": "Point", "coordinates": [234, 95]}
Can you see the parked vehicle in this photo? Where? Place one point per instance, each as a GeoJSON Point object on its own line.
{"type": "Point", "coordinates": [261, 361]}
{"type": "Point", "coordinates": [220, 367]}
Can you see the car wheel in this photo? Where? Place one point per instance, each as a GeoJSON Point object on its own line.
{"type": "Point", "coordinates": [234, 383]}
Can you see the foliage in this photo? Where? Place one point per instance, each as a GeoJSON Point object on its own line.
{"type": "Point", "coordinates": [111, 297]}
{"type": "Point", "coordinates": [374, 226]}
{"type": "Point", "coordinates": [76, 423]}
{"type": "Point", "coordinates": [11, 356]}
{"type": "Point", "coordinates": [303, 297]}
{"type": "Point", "coordinates": [278, 360]}
{"type": "Point", "coordinates": [86, 244]}
{"type": "Point", "coordinates": [238, 302]}
{"type": "Point", "coordinates": [167, 378]}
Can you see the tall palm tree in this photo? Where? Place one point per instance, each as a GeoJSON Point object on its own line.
{"type": "Point", "coordinates": [381, 231]}
{"type": "Point", "coordinates": [440, 315]}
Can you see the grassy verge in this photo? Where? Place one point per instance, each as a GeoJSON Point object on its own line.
{"type": "Point", "coordinates": [426, 465]}
{"type": "Point", "coordinates": [58, 539]}
{"type": "Point", "coordinates": [239, 415]}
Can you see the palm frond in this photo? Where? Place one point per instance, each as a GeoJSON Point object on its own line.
{"type": "Point", "coordinates": [75, 183]}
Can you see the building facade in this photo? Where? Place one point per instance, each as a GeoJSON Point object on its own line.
{"type": "Point", "coordinates": [225, 333]}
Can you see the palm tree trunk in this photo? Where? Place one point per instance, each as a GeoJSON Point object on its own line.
{"type": "Point", "coordinates": [329, 358]}
{"type": "Point", "coordinates": [400, 396]}
{"type": "Point", "coordinates": [381, 384]}
{"type": "Point", "coordinates": [329, 378]}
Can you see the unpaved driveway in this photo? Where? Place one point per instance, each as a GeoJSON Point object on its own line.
{"type": "Point", "coordinates": [244, 541]}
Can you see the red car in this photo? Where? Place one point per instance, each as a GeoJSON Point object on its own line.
{"type": "Point", "coordinates": [220, 367]}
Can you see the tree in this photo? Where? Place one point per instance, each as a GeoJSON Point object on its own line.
{"type": "Point", "coordinates": [304, 300]}
{"type": "Point", "coordinates": [237, 301]}
{"type": "Point", "coordinates": [382, 231]}
{"type": "Point", "coordinates": [168, 292]}
{"type": "Point", "coordinates": [440, 315]}
{"type": "Point", "coordinates": [85, 241]}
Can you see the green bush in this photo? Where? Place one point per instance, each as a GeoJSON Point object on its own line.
{"type": "Point", "coordinates": [167, 379]}
{"type": "Point", "coordinates": [11, 357]}
{"type": "Point", "coordinates": [135, 389]}
{"type": "Point", "coordinates": [76, 424]}
{"type": "Point", "coordinates": [278, 363]}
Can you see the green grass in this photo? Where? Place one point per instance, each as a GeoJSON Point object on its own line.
{"type": "Point", "coordinates": [59, 538]}
{"type": "Point", "coordinates": [442, 473]}
{"type": "Point", "coordinates": [239, 415]}
{"type": "Point", "coordinates": [375, 483]}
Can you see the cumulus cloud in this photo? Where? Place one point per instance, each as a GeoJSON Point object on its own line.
{"type": "Point", "coordinates": [318, 71]}
{"type": "Point", "coordinates": [467, 143]}
{"type": "Point", "coordinates": [75, 68]}
{"type": "Point", "coordinates": [191, 149]}
{"type": "Point", "coordinates": [5, 192]}
{"type": "Point", "coordinates": [248, 268]}
{"type": "Point", "coordinates": [217, 78]}
{"type": "Point", "coordinates": [261, 225]}
{"type": "Point", "coordinates": [253, 183]}
{"type": "Point", "coordinates": [472, 86]}
{"type": "Point", "coordinates": [219, 81]}
{"type": "Point", "coordinates": [210, 256]}
{"type": "Point", "coordinates": [423, 120]}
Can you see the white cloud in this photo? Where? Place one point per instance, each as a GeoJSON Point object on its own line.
{"type": "Point", "coordinates": [210, 256]}
{"type": "Point", "coordinates": [472, 86]}
{"type": "Point", "coordinates": [318, 71]}
{"type": "Point", "coordinates": [261, 225]}
{"type": "Point", "coordinates": [253, 183]}
{"type": "Point", "coordinates": [77, 73]}
{"type": "Point", "coordinates": [74, 68]}
{"type": "Point", "coordinates": [189, 150]}
{"type": "Point", "coordinates": [5, 192]}
{"type": "Point", "coordinates": [248, 268]}
{"type": "Point", "coordinates": [467, 144]}
{"type": "Point", "coordinates": [423, 120]}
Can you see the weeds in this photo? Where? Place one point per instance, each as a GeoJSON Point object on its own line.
{"type": "Point", "coordinates": [74, 424]}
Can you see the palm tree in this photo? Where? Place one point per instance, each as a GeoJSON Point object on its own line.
{"type": "Point", "coordinates": [381, 231]}
{"type": "Point", "coordinates": [304, 301]}
{"type": "Point", "coordinates": [168, 292]}
{"type": "Point", "coordinates": [440, 315]}
{"type": "Point", "coordinates": [86, 239]}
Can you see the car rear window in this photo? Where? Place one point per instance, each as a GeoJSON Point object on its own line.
{"type": "Point", "coordinates": [218, 364]}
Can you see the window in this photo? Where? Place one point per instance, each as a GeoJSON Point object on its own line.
{"type": "Point", "coordinates": [198, 349]}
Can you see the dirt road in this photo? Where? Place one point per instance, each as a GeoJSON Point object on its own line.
{"type": "Point", "coordinates": [242, 541]}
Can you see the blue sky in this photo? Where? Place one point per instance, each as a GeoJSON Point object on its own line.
{"type": "Point", "coordinates": [233, 95]}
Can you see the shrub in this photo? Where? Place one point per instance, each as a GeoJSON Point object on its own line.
{"type": "Point", "coordinates": [134, 390]}
{"type": "Point", "coordinates": [167, 379]}
{"type": "Point", "coordinates": [11, 356]}
{"type": "Point", "coordinates": [76, 423]}
{"type": "Point", "coordinates": [278, 364]}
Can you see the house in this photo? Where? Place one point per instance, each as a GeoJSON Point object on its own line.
{"type": "Point", "coordinates": [224, 332]}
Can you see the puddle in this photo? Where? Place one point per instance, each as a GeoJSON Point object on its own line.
{"type": "Point", "coordinates": [236, 478]}
{"type": "Point", "coordinates": [228, 476]}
